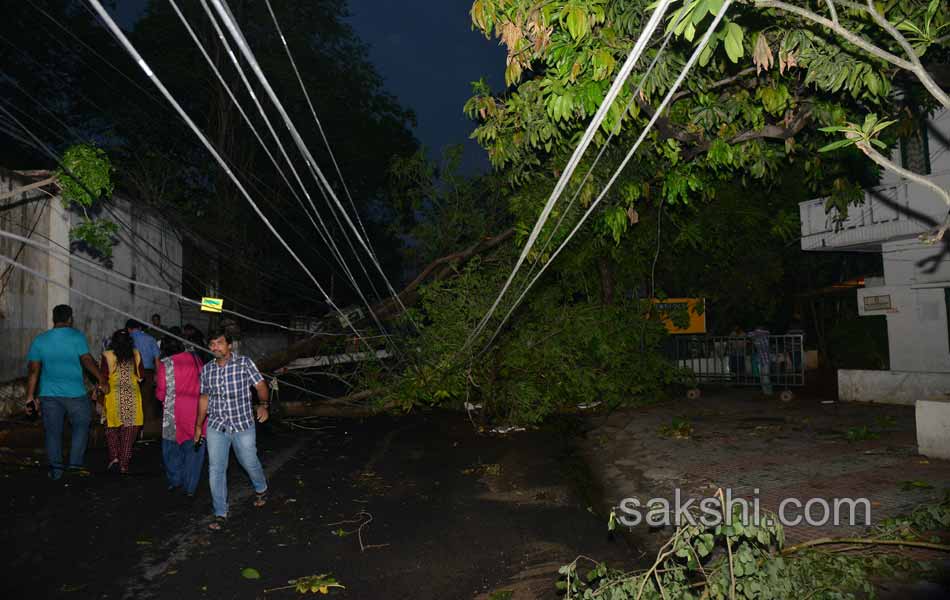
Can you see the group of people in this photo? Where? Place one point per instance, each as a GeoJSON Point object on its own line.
{"type": "Point", "coordinates": [200, 401]}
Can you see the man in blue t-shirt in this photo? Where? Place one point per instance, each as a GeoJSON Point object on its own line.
{"type": "Point", "coordinates": [56, 360]}
{"type": "Point", "coordinates": [150, 353]}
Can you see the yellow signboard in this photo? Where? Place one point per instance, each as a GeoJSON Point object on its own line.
{"type": "Point", "coordinates": [695, 308]}
{"type": "Point", "coordinates": [212, 305]}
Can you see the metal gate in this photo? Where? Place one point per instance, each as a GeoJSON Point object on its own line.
{"type": "Point", "coordinates": [734, 359]}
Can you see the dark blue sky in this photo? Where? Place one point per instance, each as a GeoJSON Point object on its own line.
{"type": "Point", "coordinates": [427, 54]}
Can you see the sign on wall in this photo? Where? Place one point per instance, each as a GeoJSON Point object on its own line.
{"type": "Point", "coordinates": [879, 302]}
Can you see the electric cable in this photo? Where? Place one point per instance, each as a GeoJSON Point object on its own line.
{"type": "Point", "coordinates": [666, 100]}
{"type": "Point", "coordinates": [110, 23]}
{"type": "Point", "coordinates": [586, 139]}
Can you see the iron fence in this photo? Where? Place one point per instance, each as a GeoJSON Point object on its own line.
{"type": "Point", "coordinates": [735, 360]}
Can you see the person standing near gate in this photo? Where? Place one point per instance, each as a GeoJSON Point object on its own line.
{"type": "Point", "coordinates": [226, 402]}
{"type": "Point", "coordinates": [56, 360]}
{"type": "Point", "coordinates": [760, 342]}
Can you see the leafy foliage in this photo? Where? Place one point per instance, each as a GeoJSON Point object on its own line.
{"type": "Point", "coordinates": [85, 177]}
{"type": "Point", "coordinates": [566, 349]}
{"type": "Point", "coordinates": [316, 584]}
{"type": "Point", "coordinates": [765, 83]}
{"type": "Point", "coordinates": [747, 560]}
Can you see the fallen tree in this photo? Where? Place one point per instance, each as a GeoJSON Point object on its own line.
{"type": "Point", "coordinates": [437, 270]}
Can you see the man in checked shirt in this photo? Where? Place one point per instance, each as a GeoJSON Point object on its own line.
{"type": "Point", "coordinates": [226, 401]}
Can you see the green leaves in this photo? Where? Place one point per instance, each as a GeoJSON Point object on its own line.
{"type": "Point", "coordinates": [315, 584]}
{"type": "Point", "coordinates": [85, 175]}
{"type": "Point", "coordinates": [615, 218]}
{"type": "Point", "coordinates": [933, 24]}
{"type": "Point", "coordinates": [603, 62]}
{"type": "Point", "coordinates": [576, 19]}
{"type": "Point", "coordinates": [733, 41]}
{"type": "Point", "coordinates": [99, 234]}
{"type": "Point", "coordinates": [855, 134]}
{"type": "Point", "coordinates": [775, 98]}
{"type": "Point", "coordinates": [250, 573]}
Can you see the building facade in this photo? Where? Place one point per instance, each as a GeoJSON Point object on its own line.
{"type": "Point", "coordinates": [147, 250]}
{"type": "Point", "coordinates": [914, 292]}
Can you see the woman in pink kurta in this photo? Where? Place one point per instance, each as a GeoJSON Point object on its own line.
{"type": "Point", "coordinates": [178, 381]}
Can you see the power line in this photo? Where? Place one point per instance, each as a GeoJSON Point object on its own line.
{"type": "Point", "coordinates": [51, 250]}
{"type": "Point", "coordinates": [323, 135]}
{"type": "Point", "coordinates": [323, 233]}
{"type": "Point", "coordinates": [613, 132]}
{"type": "Point", "coordinates": [110, 23]}
{"type": "Point", "coordinates": [78, 137]}
{"type": "Point", "coordinates": [229, 21]}
{"type": "Point", "coordinates": [188, 343]}
{"type": "Point", "coordinates": [328, 237]}
{"type": "Point", "coordinates": [575, 159]}
{"type": "Point", "coordinates": [666, 100]}
{"type": "Point", "coordinates": [237, 36]}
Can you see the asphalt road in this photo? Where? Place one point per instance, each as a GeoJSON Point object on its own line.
{"type": "Point", "coordinates": [417, 507]}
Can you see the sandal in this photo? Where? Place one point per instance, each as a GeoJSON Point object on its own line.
{"type": "Point", "coordinates": [260, 499]}
{"type": "Point", "coordinates": [218, 523]}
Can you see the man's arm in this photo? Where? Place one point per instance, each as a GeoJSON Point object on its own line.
{"type": "Point", "coordinates": [202, 415]}
{"type": "Point", "coordinates": [90, 365]}
{"type": "Point", "coordinates": [32, 378]}
{"type": "Point", "coordinates": [263, 393]}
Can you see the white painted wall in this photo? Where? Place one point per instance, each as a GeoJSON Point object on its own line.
{"type": "Point", "coordinates": [147, 248]}
{"type": "Point", "coordinates": [24, 302]}
{"type": "Point", "coordinates": [891, 387]}
{"type": "Point", "coordinates": [917, 328]}
{"type": "Point", "coordinates": [148, 251]}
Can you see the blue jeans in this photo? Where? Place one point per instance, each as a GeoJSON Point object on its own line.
{"type": "Point", "coordinates": [183, 464]}
{"type": "Point", "coordinates": [55, 409]}
{"type": "Point", "coordinates": [764, 379]}
{"type": "Point", "coordinates": [219, 454]}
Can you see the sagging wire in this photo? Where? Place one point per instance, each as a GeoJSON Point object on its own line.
{"type": "Point", "coordinates": [113, 274]}
{"type": "Point", "coordinates": [323, 135]}
{"type": "Point", "coordinates": [188, 343]}
{"type": "Point", "coordinates": [586, 139]}
{"type": "Point", "coordinates": [111, 24]}
{"type": "Point", "coordinates": [231, 24]}
{"type": "Point", "coordinates": [134, 233]}
{"type": "Point", "coordinates": [613, 132]}
{"type": "Point", "coordinates": [325, 233]}
{"type": "Point", "coordinates": [666, 100]}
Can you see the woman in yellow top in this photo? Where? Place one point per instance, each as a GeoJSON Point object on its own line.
{"type": "Point", "coordinates": [123, 403]}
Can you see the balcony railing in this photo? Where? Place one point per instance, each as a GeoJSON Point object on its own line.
{"type": "Point", "coordinates": [888, 212]}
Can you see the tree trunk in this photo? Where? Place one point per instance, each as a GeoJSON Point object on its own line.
{"type": "Point", "coordinates": [439, 269]}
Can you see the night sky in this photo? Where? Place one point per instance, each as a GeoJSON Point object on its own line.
{"type": "Point", "coordinates": [427, 54]}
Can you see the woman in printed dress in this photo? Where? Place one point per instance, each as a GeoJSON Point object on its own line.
{"type": "Point", "coordinates": [123, 403]}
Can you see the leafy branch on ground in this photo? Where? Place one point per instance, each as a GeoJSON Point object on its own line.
{"type": "Point", "coordinates": [739, 559]}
